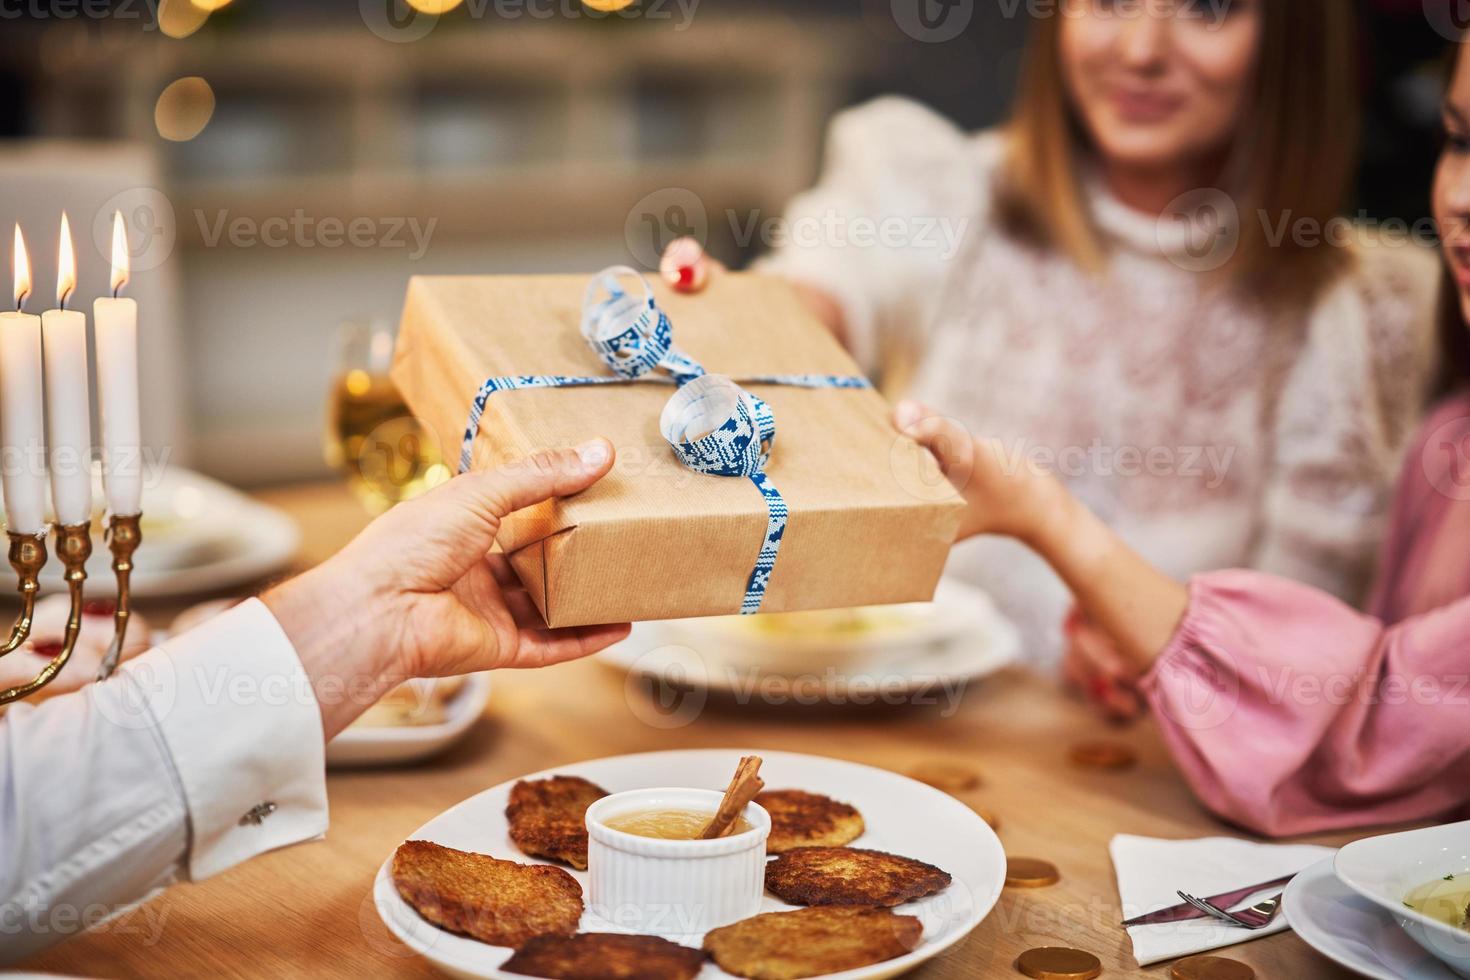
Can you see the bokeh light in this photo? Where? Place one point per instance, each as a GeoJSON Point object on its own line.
{"type": "Point", "coordinates": [184, 109]}
{"type": "Point", "coordinates": [434, 6]}
{"type": "Point", "coordinates": [180, 18]}
{"type": "Point", "coordinates": [608, 6]}
{"type": "Point", "coordinates": [210, 6]}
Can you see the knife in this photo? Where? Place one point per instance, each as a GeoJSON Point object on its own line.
{"type": "Point", "coordinates": [1183, 911]}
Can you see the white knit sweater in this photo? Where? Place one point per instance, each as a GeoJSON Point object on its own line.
{"type": "Point", "coordinates": [1210, 431]}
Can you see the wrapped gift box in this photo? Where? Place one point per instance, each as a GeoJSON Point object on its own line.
{"type": "Point", "coordinates": [870, 520]}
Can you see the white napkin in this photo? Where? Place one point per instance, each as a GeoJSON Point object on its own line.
{"type": "Point", "coordinates": [1151, 870]}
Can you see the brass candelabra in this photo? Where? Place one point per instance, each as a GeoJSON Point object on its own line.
{"type": "Point", "coordinates": [73, 548]}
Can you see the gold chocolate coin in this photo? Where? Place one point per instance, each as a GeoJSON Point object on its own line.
{"type": "Point", "coordinates": [1103, 755]}
{"type": "Point", "coordinates": [1030, 873]}
{"type": "Point", "coordinates": [1058, 963]}
{"type": "Point", "coordinates": [948, 776]}
{"type": "Point", "coordinates": [1211, 968]}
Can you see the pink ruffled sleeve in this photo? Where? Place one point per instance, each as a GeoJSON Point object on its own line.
{"type": "Point", "coordinates": [1291, 713]}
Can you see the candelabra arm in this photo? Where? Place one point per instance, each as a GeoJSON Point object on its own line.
{"type": "Point", "coordinates": [73, 547]}
{"type": "Point", "coordinates": [27, 556]}
{"type": "Point", "coordinates": [124, 534]}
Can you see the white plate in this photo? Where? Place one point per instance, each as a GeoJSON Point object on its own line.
{"type": "Point", "coordinates": [977, 641]}
{"type": "Point", "coordinates": [903, 816]}
{"type": "Point", "coordinates": [1386, 868]}
{"type": "Point", "coordinates": [359, 745]}
{"type": "Point", "coordinates": [199, 535]}
{"type": "Point", "coordinates": [1352, 931]}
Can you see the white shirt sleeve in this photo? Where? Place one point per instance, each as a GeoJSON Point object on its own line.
{"type": "Point", "coordinates": [195, 756]}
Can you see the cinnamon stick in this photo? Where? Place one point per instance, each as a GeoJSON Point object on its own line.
{"type": "Point", "coordinates": [743, 788]}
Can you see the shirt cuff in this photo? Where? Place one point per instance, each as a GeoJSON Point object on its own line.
{"type": "Point", "coordinates": [242, 725]}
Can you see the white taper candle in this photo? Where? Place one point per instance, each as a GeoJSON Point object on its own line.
{"type": "Point", "coordinates": [116, 322]}
{"type": "Point", "coordinates": [22, 408]}
{"type": "Point", "coordinates": [68, 401]}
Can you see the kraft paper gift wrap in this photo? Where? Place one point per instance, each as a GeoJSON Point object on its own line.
{"type": "Point", "coordinates": [870, 522]}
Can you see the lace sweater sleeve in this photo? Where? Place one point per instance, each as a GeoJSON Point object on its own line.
{"type": "Point", "coordinates": [900, 189]}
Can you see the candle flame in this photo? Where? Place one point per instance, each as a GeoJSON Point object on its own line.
{"type": "Point", "coordinates": [21, 266]}
{"type": "Point", "coordinates": [120, 264]}
{"type": "Point", "coordinates": [66, 265]}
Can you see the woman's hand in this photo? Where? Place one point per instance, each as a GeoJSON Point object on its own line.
{"type": "Point", "coordinates": [1093, 666]}
{"type": "Point", "coordinates": [417, 593]}
{"type": "Point", "coordinates": [1003, 495]}
{"type": "Point", "coordinates": [1130, 601]}
{"type": "Point", "coordinates": [686, 267]}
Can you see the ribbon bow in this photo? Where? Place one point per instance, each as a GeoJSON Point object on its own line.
{"type": "Point", "coordinates": [713, 425]}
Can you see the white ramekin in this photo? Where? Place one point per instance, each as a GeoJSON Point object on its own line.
{"type": "Point", "coordinates": [673, 888]}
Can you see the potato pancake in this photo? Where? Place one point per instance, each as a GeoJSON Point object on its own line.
{"type": "Point", "coordinates": [812, 942]}
{"type": "Point", "coordinates": [801, 819]}
{"type": "Point", "coordinates": [606, 956]}
{"type": "Point", "coordinates": [548, 817]}
{"type": "Point", "coordinates": [851, 876]}
{"type": "Point", "coordinates": [498, 902]}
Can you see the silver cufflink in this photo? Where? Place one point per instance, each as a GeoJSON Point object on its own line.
{"type": "Point", "coordinates": [257, 813]}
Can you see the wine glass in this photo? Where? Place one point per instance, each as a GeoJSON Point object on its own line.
{"type": "Point", "coordinates": [385, 454]}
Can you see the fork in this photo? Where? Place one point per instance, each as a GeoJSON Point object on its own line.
{"type": "Point", "coordinates": [1258, 916]}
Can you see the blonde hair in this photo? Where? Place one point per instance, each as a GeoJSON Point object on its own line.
{"type": "Point", "coordinates": [1295, 152]}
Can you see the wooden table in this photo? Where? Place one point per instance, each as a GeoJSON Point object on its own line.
{"type": "Point", "coordinates": [307, 911]}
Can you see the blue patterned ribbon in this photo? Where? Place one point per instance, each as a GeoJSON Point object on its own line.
{"type": "Point", "coordinates": [713, 424]}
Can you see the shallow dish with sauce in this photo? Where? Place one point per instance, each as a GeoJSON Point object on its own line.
{"type": "Point", "coordinates": [1395, 870]}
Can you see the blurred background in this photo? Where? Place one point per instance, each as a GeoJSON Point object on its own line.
{"type": "Point", "coordinates": [285, 165]}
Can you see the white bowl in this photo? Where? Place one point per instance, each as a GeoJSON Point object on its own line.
{"type": "Point", "coordinates": [1387, 868]}
{"type": "Point", "coordinates": [673, 888]}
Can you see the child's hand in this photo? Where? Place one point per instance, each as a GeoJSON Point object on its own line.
{"type": "Point", "coordinates": [1006, 494]}
{"type": "Point", "coordinates": [1094, 667]}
